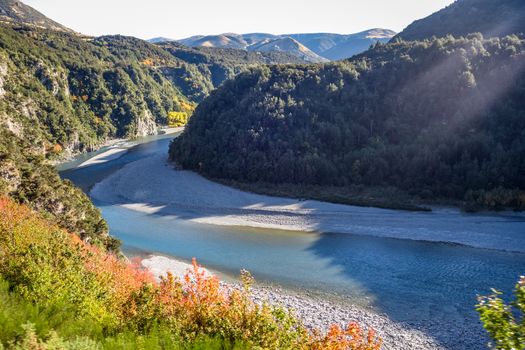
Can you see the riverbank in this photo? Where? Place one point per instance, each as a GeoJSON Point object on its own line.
{"type": "Point", "coordinates": [152, 185]}
{"type": "Point", "coordinates": [110, 150]}
{"type": "Point", "coordinates": [118, 147]}
{"type": "Point", "coordinates": [317, 313]}
{"type": "Point", "coordinates": [361, 196]}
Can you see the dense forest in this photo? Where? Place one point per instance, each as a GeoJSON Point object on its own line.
{"type": "Point", "coordinates": [73, 94]}
{"type": "Point", "coordinates": [61, 94]}
{"type": "Point", "coordinates": [488, 17]}
{"type": "Point", "coordinates": [76, 92]}
{"type": "Point", "coordinates": [435, 118]}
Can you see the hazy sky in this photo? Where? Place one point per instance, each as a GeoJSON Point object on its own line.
{"type": "Point", "coordinates": [182, 18]}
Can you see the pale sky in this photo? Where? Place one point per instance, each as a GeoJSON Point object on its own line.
{"type": "Point", "coordinates": [182, 18]}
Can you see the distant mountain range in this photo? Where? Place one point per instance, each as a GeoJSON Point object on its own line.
{"type": "Point", "coordinates": [16, 12]}
{"type": "Point", "coordinates": [318, 47]}
{"type": "Point", "coordinates": [315, 47]}
{"type": "Point", "coordinates": [492, 18]}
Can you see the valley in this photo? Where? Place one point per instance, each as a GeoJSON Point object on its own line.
{"type": "Point", "coordinates": [359, 191]}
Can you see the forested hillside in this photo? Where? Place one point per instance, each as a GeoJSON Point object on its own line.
{"type": "Point", "coordinates": [73, 93]}
{"type": "Point", "coordinates": [203, 69]}
{"type": "Point", "coordinates": [437, 118]}
{"type": "Point", "coordinates": [76, 92]}
{"type": "Point", "coordinates": [492, 18]}
{"type": "Point", "coordinates": [61, 93]}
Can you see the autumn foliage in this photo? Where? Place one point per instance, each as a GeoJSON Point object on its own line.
{"type": "Point", "coordinates": [176, 119]}
{"type": "Point", "coordinates": [51, 268]}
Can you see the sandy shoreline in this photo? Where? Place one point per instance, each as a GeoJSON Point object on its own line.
{"type": "Point", "coordinates": [119, 147]}
{"type": "Point", "coordinates": [109, 155]}
{"type": "Point", "coordinates": [153, 186]}
{"type": "Point", "coordinates": [321, 313]}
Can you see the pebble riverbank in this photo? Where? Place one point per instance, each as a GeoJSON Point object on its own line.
{"type": "Point", "coordinates": [319, 313]}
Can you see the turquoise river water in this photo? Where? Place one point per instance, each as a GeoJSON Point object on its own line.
{"type": "Point", "coordinates": [410, 281]}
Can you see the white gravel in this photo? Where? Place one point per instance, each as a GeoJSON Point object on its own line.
{"type": "Point", "coordinates": [154, 186]}
{"type": "Point", "coordinates": [104, 157]}
{"type": "Point", "coordinates": [161, 265]}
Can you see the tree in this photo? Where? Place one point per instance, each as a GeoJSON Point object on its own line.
{"type": "Point", "coordinates": [176, 119]}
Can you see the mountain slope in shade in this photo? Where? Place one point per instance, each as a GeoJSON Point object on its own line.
{"type": "Point", "coordinates": [17, 12]}
{"type": "Point", "coordinates": [340, 46]}
{"type": "Point", "coordinates": [289, 45]}
{"type": "Point", "coordinates": [326, 45]}
{"type": "Point", "coordinates": [489, 17]}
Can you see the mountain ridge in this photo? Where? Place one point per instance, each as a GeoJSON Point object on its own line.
{"type": "Point", "coordinates": [287, 44]}
{"type": "Point", "coordinates": [329, 46]}
{"type": "Point", "coordinates": [488, 17]}
{"type": "Point", "coordinates": [17, 12]}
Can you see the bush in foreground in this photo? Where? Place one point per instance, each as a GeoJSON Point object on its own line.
{"type": "Point", "coordinates": [505, 322]}
{"type": "Point", "coordinates": [57, 289]}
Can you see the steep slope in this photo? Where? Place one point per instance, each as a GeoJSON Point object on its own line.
{"type": "Point", "coordinates": [203, 68]}
{"type": "Point", "coordinates": [489, 17]}
{"type": "Point", "coordinates": [443, 118]}
{"type": "Point", "coordinates": [288, 45]}
{"type": "Point", "coordinates": [27, 178]}
{"type": "Point", "coordinates": [75, 94]}
{"type": "Point", "coordinates": [18, 12]}
{"type": "Point", "coordinates": [61, 94]}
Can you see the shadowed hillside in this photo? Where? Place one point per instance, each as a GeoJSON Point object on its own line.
{"type": "Point", "coordinates": [489, 17]}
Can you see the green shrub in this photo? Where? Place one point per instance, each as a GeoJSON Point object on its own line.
{"type": "Point", "coordinates": [505, 322]}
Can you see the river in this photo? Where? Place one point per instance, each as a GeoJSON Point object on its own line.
{"type": "Point", "coordinates": [416, 282]}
